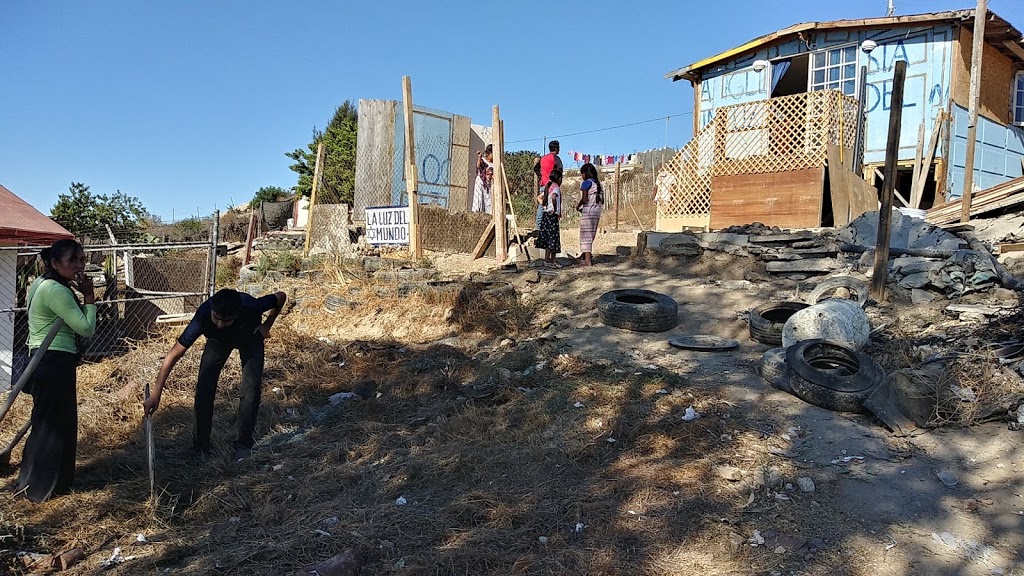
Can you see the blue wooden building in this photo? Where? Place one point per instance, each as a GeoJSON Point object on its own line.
{"type": "Point", "coordinates": [767, 111]}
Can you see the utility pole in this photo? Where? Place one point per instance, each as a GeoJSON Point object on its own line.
{"type": "Point", "coordinates": [980, 15]}
{"type": "Point", "coordinates": [892, 9]}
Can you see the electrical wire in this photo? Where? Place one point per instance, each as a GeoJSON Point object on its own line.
{"type": "Point", "coordinates": [658, 119]}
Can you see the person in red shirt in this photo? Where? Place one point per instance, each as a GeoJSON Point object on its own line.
{"type": "Point", "coordinates": [542, 168]}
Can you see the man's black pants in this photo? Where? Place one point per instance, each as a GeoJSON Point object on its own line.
{"type": "Point", "coordinates": [215, 355]}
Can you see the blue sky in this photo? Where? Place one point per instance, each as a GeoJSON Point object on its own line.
{"type": "Point", "coordinates": [191, 105]}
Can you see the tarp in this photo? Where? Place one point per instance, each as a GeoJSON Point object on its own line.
{"type": "Point", "coordinates": [275, 215]}
{"type": "Point", "coordinates": [20, 223]}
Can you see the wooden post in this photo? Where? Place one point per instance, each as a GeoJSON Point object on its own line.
{"type": "Point", "coordinates": [618, 191]}
{"type": "Point", "coordinates": [892, 150]}
{"type": "Point", "coordinates": [980, 15]}
{"type": "Point", "coordinates": [498, 189]}
{"type": "Point", "coordinates": [858, 145]}
{"type": "Point", "coordinates": [250, 236]}
{"type": "Point", "coordinates": [929, 159]}
{"type": "Point", "coordinates": [317, 175]}
{"type": "Point", "coordinates": [411, 173]}
{"type": "Point", "coordinates": [918, 160]}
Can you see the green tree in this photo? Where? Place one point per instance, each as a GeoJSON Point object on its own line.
{"type": "Point", "coordinates": [522, 183]}
{"type": "Point", "coordinates": [521, 179]}
{"type": "Point", "coordinates": [339, 169]}
{"type": "Point", "coordinates": [85, 214]}
{"type": "Point", "coordinates": [269, 194]}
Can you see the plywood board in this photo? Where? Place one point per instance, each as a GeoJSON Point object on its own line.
{"type": "Point", "coordinates": [789, 199]}
{"type": "Point", "coordinates": [375, 150]}
{"type": "Point", "coordinates": [996, 79]}
{"type": "Point", "coordinates": [849, 191]}
{"type": "Point", "coordinates": [839, 186]}
{"type": "Point", "coordinates": [462, 169]}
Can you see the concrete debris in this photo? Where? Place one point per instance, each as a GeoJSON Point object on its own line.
{"type": "Point", "coordinates": [818, 265]}
{"type": "Point", "coordinates": [673, 244]}
{"type": "Point", "coordinates": [906, 232]}
{"type": "Point", "coordinates": [919, 296]}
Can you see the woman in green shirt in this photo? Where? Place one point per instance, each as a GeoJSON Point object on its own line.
{"type": "Point", "coordinates": [48, 462]}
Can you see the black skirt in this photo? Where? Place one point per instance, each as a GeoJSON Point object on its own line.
{"type": "Point", "coordinates": [48, 461]}
{"type": "Point", "coordinates": [550, 236]}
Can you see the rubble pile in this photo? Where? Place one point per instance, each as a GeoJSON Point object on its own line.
{"type": "Point", "coordinates": [926, 262]}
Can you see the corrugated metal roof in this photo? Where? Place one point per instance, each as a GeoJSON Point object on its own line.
{"type": "Point", "coordinates": [998, 32]}
{"type": "Point", "coordinates": [20, 223]}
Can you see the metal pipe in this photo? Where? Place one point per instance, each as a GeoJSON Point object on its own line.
{"type": "Point", "coordinates": [32, 364]}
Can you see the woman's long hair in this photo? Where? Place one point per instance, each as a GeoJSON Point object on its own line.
{"type": "Point", "coordinates": [554, 178]}
{"type": "Point", "coordinates": [589, 172]}
{"type": "Point", "coordinates": [58, 251]}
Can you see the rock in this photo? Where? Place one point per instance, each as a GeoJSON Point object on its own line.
{"type": "Point", "coordinates": [948, 478]}
{"type": "Point", "coordinates": [774, 477]}
{"type": "Point", "coordinates": [813, 265]}
{"type": "Point", "coordinates": [910, 265]}
{"type": "Point", "coordinates": [918, 296]}
{"type": "Point", "coordinates": [348, 563]}
{"type": "Point", "coordinates": [531, 276]}
{"type": "Point", "coordinates": [504, 375]}
{"type": "Point", "coordinates": [1004, 295]}
{"type": "Point", "coordinates": [730, 473]}
{"type": "Point", "coordinates": [507, 343]}
{"type": "Point", "coordinates": [780, 550]}
{"type": "Point", "coordinates": [737, 285]}
{"type": "Point", "coordinates": [736, 542]}
{"type": "Point", "coordinates": [919, 280]}
{"type": "Point", "coordinates": [543, 539]}
{"type": "Point", "coordinates": [805, 484]}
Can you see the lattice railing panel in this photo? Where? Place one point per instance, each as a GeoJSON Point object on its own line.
{"type": "Point", "coordinates": [684, 183]}
{"type": "Point", "coordinates": [776, 135]}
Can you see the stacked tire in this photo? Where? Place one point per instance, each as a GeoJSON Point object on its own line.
{"type": "Point", "coordinates": [767, 321]}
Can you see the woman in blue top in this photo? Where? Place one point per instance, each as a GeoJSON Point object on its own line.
{"type": "Point", "coordinates": [48, 461]}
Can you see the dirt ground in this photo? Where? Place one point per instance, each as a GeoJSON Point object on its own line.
{"type": "Point", "coordinates": [522, 436]}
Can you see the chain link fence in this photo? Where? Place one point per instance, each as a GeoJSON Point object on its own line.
{"type": "Point", "coordinates": [142, 286]}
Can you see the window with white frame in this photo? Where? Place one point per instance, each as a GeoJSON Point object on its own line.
{"type": "Point", "coordinates": [835, 69]}
{"type": "Point", "coordinates": [1018, 99]}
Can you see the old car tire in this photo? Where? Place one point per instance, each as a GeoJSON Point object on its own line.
{"type": "Point", "coordinates": [852, 284]}
{"type": "Point", "coordinates": [775, 371]}
{"type": "Point", "coordinates": [638, 310]}
{"type": "Point", "coordinates": [831, 375]}
{"type": "Point", "coordinates": [766, 321]}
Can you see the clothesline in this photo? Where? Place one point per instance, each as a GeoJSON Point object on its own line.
{"type": "Point", "coordinates": [601, 159]}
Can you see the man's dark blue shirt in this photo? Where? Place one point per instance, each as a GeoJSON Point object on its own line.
{"type": "Point", "coordinates": [249, 319]}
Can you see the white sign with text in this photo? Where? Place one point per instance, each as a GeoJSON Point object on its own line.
{"type": "Point", "coordinates": [387, 225]}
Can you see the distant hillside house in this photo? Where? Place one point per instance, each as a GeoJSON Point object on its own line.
{"type": "Point", "coordinates": [767, 111]}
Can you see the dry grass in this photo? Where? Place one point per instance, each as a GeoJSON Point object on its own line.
{"type": "Point", "coordinates": [484, 480]}
{"type": "Point", "coordinates": [970, 385]}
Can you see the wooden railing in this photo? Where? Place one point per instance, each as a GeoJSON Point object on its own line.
{"type": "Point", "coordinates": [775, 135]}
